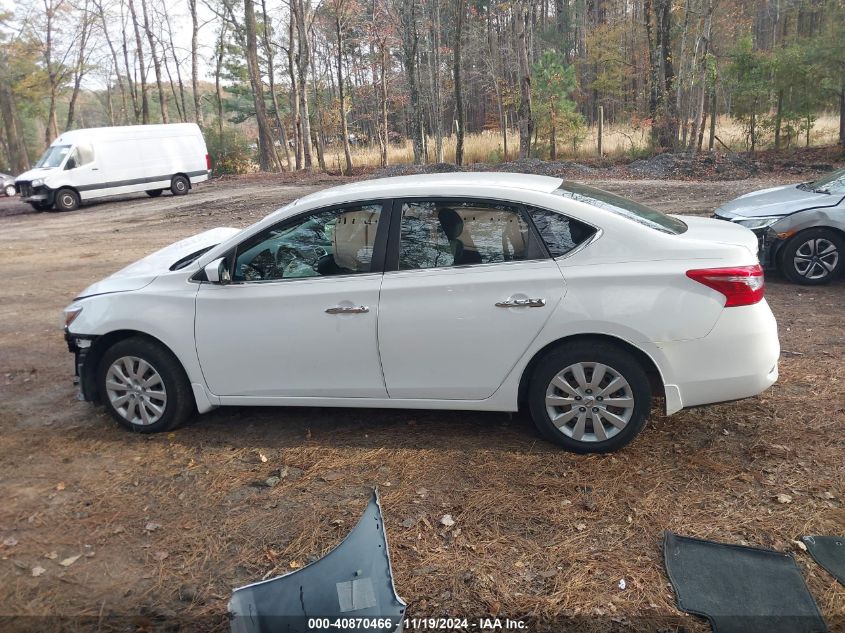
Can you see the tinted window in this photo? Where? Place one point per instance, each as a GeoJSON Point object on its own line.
{"type": "Point", "coordinates": [335, 242]}
{"type": "Point", "coordinates": [436, 234]}
{"type": "Point", "coordinates": [560, 233]}
{"type": "Point", "coordinates": [635, 211]}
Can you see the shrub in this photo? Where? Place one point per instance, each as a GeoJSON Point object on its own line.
{"type": "Point", "coordinates": [231, 154]}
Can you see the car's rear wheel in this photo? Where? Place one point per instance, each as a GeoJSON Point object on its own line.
{"type": "Point", "coordinates": [10, 190]}
{"type": "Point", "coordinates": [589, 397]}
{"type": "Point", "coordinates": [813, 257]}
{"type": "Point", "coordinates": [179, 186]}
{"type": "Point", "coordinates": [67, 200]}
{"type": "Point", "coordinates": [154, 193]}
{"type": "Point", "coordinates": [144, 387]}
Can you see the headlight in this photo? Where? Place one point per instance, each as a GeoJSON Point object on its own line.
{"type": "Point", "coordinates": [37, 182]}
{"type": "Point", "coordinates": [70, 314]}
{"type": "Point", "coordinates": [757, 223]}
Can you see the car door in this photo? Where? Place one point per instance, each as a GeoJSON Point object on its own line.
{"type": "Point", "coordinates": [299, 317]}
{"type": "Point", "coordinates": [472, 285]}
{"type": "Point", "coordinates": [83, 171]}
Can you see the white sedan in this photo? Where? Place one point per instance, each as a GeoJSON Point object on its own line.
{"type": "Point", "coordinates": [457, 291]}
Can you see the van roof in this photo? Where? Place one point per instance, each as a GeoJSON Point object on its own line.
{"type": "Point", "coordinates": [127, 132]}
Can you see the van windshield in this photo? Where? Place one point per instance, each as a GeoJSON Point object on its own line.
{"type": "Point", "coordinates": [53, 157]}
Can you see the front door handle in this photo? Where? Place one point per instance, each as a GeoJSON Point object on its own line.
{"type": "Point", "coordinates": [521, 303]}
{"type": "Point", "coordinates": [347, 310]}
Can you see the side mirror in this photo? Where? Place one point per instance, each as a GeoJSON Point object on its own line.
{"type": "Point", "coordinates": [217, 273]}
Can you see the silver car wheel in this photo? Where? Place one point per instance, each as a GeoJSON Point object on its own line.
{"type": "Point", "coordinates": [136, 390]}
{"type": "Point", "coordinates": [816, 258]}
{"type": "Point", "coordinates": [10, 190]}
{"type": "Point", "coordinates": [589, 402]}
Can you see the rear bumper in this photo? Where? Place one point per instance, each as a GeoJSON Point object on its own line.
{"type": "Point", "coordinates": [737, 359]}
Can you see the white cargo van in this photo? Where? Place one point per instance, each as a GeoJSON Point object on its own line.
{"type": "Point", "coordinates": [82, 165]}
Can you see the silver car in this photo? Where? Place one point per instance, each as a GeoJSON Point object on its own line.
{"type": "Point", "coordinates": [8, 184]}
{"type": "Point", "coordinates": [800, 228]}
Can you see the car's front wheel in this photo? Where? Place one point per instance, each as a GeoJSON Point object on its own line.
{"type": "Point", "coordinates": [154, 193]}
{"type": "Point", "coordinates": [144, 387]}
{"type": "Point", "coordinates": [813, 257]}
{"type": "Point", "coordinates": [589, 397]}
{"type": "Point", "coordinates": [10, 190]}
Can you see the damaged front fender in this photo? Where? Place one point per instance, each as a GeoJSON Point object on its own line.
{"type": "Point", "coordinates": [350, 589]}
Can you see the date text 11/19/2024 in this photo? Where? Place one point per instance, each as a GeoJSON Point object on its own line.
{"type": "Point", "coordinates": [421, 624]}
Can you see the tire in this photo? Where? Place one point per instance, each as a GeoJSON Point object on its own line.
{"type": "Point", "coordinates": [813, 257]}
{"type": "Point", "coordinates": [10, 190]}
{"type": "Point", "coordinates": [579, 400]}
{"type": "Point", "coordinates": [154, 380]}
{"type": "Point", "coordinates": [154, 193]}
{"type": "Point", "coordinates": [67, 200]}
{"type": "Point", "coordinates": [40, 206]}
{"type": "Point", "coordinates": [180, 186]}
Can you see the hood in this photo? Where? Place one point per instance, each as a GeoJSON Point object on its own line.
{"type": "Point", "coordinates": [719, 231]}
{"type": "Point", "coordinates": [776, 201]}
{"type": "Point", "coordinates": [37, 172]}
{"type": "Point", "coordinates": [142, 272]}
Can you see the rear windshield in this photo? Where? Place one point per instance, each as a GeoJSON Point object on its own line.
{"type": "Point", "coordinates": [635, 211]}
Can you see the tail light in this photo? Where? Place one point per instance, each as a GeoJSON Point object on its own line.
{"type": "Point", "coordinates": [742, 285]}
{"type": "Point", "coordinates": [208, 162]}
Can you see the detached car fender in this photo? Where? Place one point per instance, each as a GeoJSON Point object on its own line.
{"type": "Point", "coordinates": [349, 589]}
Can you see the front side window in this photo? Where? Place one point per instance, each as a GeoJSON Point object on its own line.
{"type": "Point", "coordinates": [84, 154]}
{"type": "Point", "coordinates": [560, 233]}
{"type": "Point", "coordinates": [53, 157]}
{"type": "Point", "coordinates": [333, 242]}
{"type": "Point", "coordinates": [435, 234]}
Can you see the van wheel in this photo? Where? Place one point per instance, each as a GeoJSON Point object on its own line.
{"type": "Point", "coordinates": [67, 200]}
{"type": "Point", "coordinates": [589, 397]}
{"type": "Point", "coordinates": [180, 185]}
{"type": "Point", "coordinates": [40, 206]}
{"type": "Point", "coordinates": [143, 386]}
{"type": "Point", "coordinates": [154, 193]}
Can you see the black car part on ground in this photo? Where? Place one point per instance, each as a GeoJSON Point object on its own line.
{"type": "Point", "coordinates": [349, 589]}
{"type": "Point", "coordinates": [740, 589]}
{"type": "Point", "coordinates": [829, 552]}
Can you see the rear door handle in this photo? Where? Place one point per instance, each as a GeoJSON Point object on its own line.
{"type": "Point", "coordinates": [521, 303]}
{"type": "Point", "coordinates": [347, 310]}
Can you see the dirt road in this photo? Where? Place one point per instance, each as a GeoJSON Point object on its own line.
{"type": "Point", "coordinates": [166, 526]}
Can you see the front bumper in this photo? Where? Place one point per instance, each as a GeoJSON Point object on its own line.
{"type": "Point", "coordinates": [41, 194]}
{"type": "Point", "coordinates": [768, 243]}
{"type": "Point", "coordinates": [80, 346]}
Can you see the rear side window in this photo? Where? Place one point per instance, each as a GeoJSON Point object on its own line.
{"type": "Point", "coordinates": [437, 234]}
{"type": "Point", "coordinates": [560, 233]}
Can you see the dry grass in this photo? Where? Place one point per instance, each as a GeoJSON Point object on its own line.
{"type": "Point", "coordinates": [540, 534]}
{"type": "Point", "coordinates": [619, 140]}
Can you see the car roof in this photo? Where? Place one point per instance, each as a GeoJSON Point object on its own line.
{"type": "Point", "coordinates": [403, 185]}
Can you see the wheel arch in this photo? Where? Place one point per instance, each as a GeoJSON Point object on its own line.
{"type": "Point", "coordinates": [99, 346]}
{"type": "Point", "coordinates": [655, 378]}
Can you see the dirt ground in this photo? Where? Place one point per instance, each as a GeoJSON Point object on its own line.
{"type": "Point", "coordinates": [165, 526]}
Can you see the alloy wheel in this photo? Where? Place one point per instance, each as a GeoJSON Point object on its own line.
{"type": "Point", "coordinates": [589, 402]}
{"type": "Point", "coordinates": [816, 258]}
{"type": "Point", "coordinates": [136, 390]}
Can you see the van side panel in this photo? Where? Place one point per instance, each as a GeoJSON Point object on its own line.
{"type": "Point", "coordinates": [142, 162]}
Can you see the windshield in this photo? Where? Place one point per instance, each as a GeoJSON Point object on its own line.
{"type": "Point", "coordinates": [635, 211]}
{"type": "Point", "coordinates": [833, 183]}
{"type": "Point", "coordinates": [53, 157]}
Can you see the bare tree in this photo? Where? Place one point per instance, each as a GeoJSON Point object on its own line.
{"type": "Point", "coordinates": [526, 121]}
{"type": "Point", "coordinates": [195, 88]}
{"type": "Point", "coordinates": [162, 96]}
